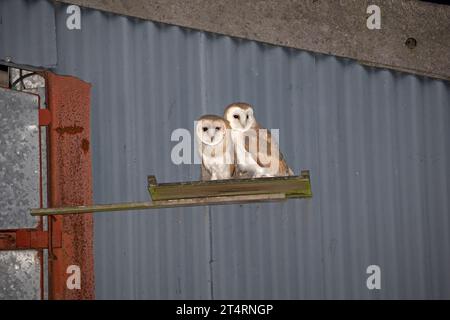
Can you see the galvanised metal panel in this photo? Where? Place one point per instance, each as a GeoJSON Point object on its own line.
{"type": "Point", "coordinates": [377, 143]}
{"type": "Point", "coordinates": [27, 32]}
{"type": "Point", "coordinates": [20, 272]}
{"type": "Point", "coordinates": [19, 159]}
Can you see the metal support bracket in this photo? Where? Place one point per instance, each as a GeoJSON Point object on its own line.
{"type": "Point", "coordinates": [22, 239]}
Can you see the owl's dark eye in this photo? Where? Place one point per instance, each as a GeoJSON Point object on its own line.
{"type": "Point", "coordinates": [247, 116]}
{"type": "Point", "coordinates": [217, 128]}
{"type": "Point", "coordinates": [205, 129]}
{"type": "Point", "coordinates": [236, 116]}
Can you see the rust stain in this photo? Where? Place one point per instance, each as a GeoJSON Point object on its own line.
{"type": "Point", "coordinates": [69, 130]}
{"type": "Point", "coordinates": [85, 145]}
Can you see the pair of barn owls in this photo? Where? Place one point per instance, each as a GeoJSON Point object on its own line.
{"type": "Point", "coordinates": [236, 146]}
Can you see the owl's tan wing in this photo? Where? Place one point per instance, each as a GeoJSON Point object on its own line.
{"type": "Point", "coordinates": [233, 171]}
{"type": "Point", "coordinates": [251, 144]}
{"type": "Point", "coordinates": [284, 168]}
{"type": "Point", "coordinates": [263, 157]}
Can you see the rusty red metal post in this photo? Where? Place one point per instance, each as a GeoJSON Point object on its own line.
{"type": "Point", "coordinates": [70, 183]}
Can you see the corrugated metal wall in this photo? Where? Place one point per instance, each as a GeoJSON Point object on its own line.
{"type": "Point", "coordinates": [377, 143]}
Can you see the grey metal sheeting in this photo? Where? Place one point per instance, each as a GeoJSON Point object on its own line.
{"type": "Point", "coordinates": [27, 32]}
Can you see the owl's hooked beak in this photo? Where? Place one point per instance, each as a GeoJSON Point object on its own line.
{"type": "Point", "coordinates": [243, 121]}
{"type": "Point", "coordinates": [211, 134]}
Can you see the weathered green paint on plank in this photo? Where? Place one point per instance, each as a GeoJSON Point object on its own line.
{"type": "Point", "coordinates": [292, 187]}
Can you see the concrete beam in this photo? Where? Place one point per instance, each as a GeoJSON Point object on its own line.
{"type": "Point", "coordinates": [332, 27]}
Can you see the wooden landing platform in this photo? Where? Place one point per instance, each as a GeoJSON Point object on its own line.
{"type": "Point", "coordinates": [202, 193]}
{"type": "Point", "coordinates": [291, 187]}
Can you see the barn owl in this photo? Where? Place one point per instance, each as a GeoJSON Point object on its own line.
{"type": "Point", "coordinates": [215, 146]}
{"type": "Point", "coordinates": [257, 155]}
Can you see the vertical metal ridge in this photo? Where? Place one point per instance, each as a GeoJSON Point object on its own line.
{"type": "Point", "coordinates": [376, 142]}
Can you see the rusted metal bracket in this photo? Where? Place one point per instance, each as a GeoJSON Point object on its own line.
{"type": "Point", "coordinates": [22, 239]}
